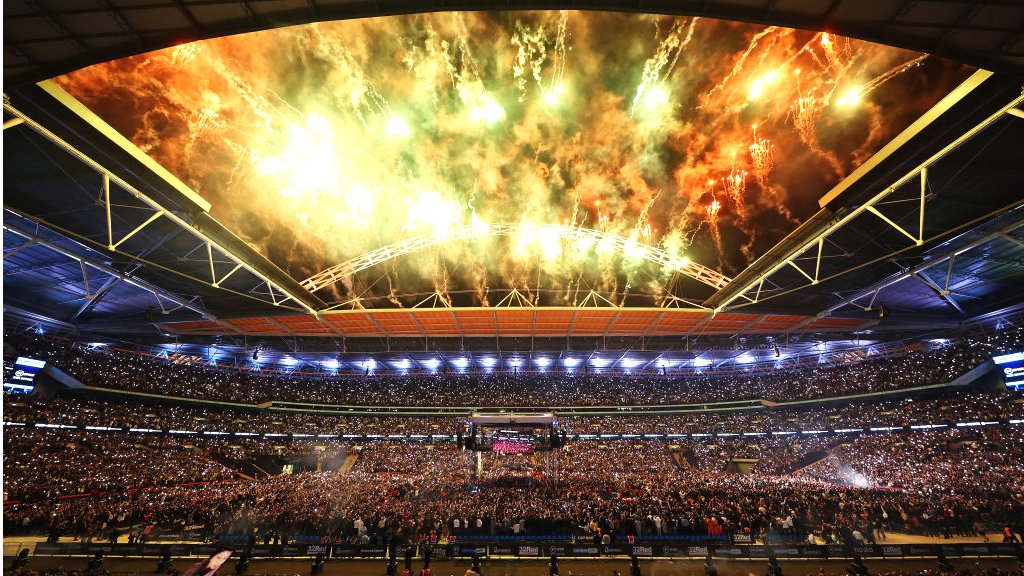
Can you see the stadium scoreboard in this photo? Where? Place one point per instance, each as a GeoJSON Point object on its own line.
{"type": "Point", "coordinates": [1011, 368]}
{"type": "Point", "coordinates": [20, 378]}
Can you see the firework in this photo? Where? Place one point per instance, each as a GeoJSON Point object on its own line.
{"type": "Point", "coordinates": [804, 112]}
{"type": "Point", "coordinates": [762, 158]}
{"type": "Point", "coordinates": [751, 46]}
{"type": "Point", "coordinates": [643, 229]}
{"type": "Point", "coordinates": [837, 52]}
{"type": "Point", "coordinates": [556, 83]}
{"type": "Point", "coordinates": [184, 53]}
{"type": "Point", "coordinates": [712, 210]}
{"type": "Point", "coordinates": [531, 51]}
{"type": "Point", "coordinates": [735, 185]}
{"type": "Point", "coordinates": [855, 95]}
{"type": "Point", "coordinates": [657, 68]}
{"type": "Point", "coordinates": [203, 120]}
{"type": "Point", "coordinates": [319, 143]}
{"type": "Point", "coordinates": [758, 86]}
{"type": "Point", "coordinates": [482, 106]}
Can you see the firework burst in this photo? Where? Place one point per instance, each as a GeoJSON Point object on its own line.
{"type": "Point", "coordinates": [762, 159]}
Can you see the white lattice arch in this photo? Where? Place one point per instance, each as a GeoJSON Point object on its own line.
{"type": "Point", "coordinates": [621, 244]}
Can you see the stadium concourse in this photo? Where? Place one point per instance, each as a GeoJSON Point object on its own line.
{"type": "Point", "coordinates": [513, 288]}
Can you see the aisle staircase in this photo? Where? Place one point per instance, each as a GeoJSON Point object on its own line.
{"type": "Point", "coordinates": [810, 459]}
{"type": "Point", "coordinates": [244, 468]}
{"type": "Point", "coordinates": [684, 461]}
{"type": "Point", "coordinates": [349, 462]}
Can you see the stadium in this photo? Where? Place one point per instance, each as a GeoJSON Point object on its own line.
{"type": "Point", "coordinates": [509, 288]}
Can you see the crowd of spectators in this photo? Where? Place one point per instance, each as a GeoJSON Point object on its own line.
{"type": "Point", "coordinates": [39, 465]}
{"type": "Point", "coordinates": [948, 408]}
{"type": "Point", "coordinates": [110, 367]}
{"type": "Point", "coordinates": [959, 460]}
{"type": "Point", "coordinates": [850, 485]}
{"type": "Point", "coordinates": [83, 411]}
{"type": "Point", "coordinates": [955, 481]}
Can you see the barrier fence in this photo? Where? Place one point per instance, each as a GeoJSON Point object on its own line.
{"type": "Point", "coordinates": [546, 549]}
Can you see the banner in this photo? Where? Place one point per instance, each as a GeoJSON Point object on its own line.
{"type": "Point", "coordinates": [314, 549]}
{"type": "Point", "coordinates": [643, 551]}
{"type": "Point", "coordinates": [544, 550]}
{"type": "Point", "coordinates": [837, 551]}
{"type": "Point", "coordinates": [528, 550]}
{"type": "Point", "coordinates": [438, 552]}
{"type": "Point", "coordinates": [343, 551]}
{"type": "Point", "coordinates": [375, 552]}
{"type": "Point", "coordinates": [785, 551]}
{"type": "Point", "coordinates": [808, 551]}
{"type": "Point", "coordinates": [892, 551]}
{"type": "Point", "coordinates": [730, 552]}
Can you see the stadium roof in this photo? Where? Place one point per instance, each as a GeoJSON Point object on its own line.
{"type": "Point", "coordinates": [926, 233]}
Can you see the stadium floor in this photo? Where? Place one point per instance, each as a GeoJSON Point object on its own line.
{"type": "Point", "coordinates": [521, 567]}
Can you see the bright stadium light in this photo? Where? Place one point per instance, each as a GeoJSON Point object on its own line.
{"type": "Point", "coordinates": [433, 363]}
{"type": "Point", "coordinates": [488, 362]}
{"type": "Point", "coordinates": [543, 362]}
{"type": "Point", "coordinates": [370, 364]}
{"type": "Point", "coordinates": [571, 362]}
{"type": "Point", "coordinates": [599, 362]}
{"type": "Point", "coordinates": [331, 364]}
{"type": "Point", "coordinates": [701, 362]}
{"type": "Point", "coordinates": [628, 363]}
{"type": "Point", "coordinates": [460, 363]}
{"type": "Point", "coordinates": [289, 361]}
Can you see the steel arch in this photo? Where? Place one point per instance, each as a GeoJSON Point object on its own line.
{"type": "Point", "coordinates": [620, 244]}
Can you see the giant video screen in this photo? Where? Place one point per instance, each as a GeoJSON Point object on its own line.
{"type": "Point", "coordinates": [20, 378]}
{"type": "Point", "coordinates": [1011, 367]}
